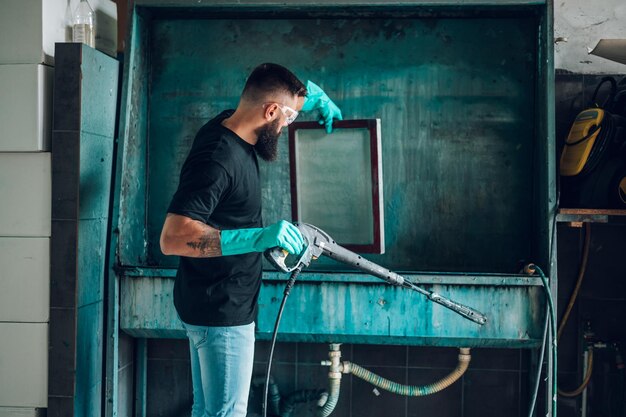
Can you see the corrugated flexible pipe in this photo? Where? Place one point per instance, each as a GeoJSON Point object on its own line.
{"type": "Point", "coordinates": [380, 382]}
{"type": "Point", "coordinates": [411, 390]}
{"type": "Point", "coordinates": [333, 397]}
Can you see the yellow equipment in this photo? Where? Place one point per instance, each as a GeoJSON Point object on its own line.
{"type": "Point", "coordinates": [579, 143]}
{"type": "Point", "coordinates": [593, 161]}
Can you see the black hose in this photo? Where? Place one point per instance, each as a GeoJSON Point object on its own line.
{"type": "Point", "coordinates": [288, 287]}
{"type": "Point", "coordinates": [298, 397]}
{"type": "Point", "coordinates": [601, 144]}
{"type": "Point", "coordinates": [274, 393]}
{"type": "Point", "coordinates": [609, 100]}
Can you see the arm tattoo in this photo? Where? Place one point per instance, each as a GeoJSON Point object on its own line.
{"type": "Point", "coordinates": [208, 245]}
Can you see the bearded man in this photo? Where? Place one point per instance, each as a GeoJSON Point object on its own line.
{"type": "Point", "coordinates": [214, 224]}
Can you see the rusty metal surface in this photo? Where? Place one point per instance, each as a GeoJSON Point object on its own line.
{"type": "Point", "coordinates": [455, 98]}
{"type": "Point", "coordinates": [464, 162]}
{"type": "Point", "coordinates": [200, 4]}
{"type": "Point", "coordinates": [343, 309]}
{"type": "Point", "coordinates": [133, 131]}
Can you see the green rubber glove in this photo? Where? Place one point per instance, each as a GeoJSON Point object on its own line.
{"type": "Point", "coordinates": [316, 98]}
{"type": "Point", "coordinates": [283, 234]}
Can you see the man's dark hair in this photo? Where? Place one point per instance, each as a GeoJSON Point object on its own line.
{"type": "Point", "coordinates": [268, 79]}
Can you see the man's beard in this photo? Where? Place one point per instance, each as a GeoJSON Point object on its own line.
{"type": "Point", "coordinates": [267, 141]}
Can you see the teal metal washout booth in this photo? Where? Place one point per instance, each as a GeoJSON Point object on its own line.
{"type": "Point", "coordinates": [463, 91]}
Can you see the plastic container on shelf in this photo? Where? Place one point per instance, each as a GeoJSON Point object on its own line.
{"type": "Point", "coordinates": [84, 25]}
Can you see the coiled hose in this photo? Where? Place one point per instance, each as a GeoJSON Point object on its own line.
{"type": "Point", "coordinates": [412, 390]}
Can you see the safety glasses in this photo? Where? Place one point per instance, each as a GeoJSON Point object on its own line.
{"type": "Point", "coordinates": [290, 114]}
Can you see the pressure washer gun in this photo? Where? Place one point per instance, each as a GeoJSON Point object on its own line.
{"type": "Point", "coordinates": [318, 243]}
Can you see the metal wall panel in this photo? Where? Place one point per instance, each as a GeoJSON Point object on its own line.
{"type": "Point", "coordinates": [360, 309]}
{"type": "Point", "coordinates": [334, 3]}
{"type": "Point", "coordinates": [133, 127]}
{"type": "Point", "coordinates": [457, 118]}
{"type": "Point", "coordinates": [464, 148]}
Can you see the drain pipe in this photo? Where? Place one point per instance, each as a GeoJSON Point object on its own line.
{"type": "Point", "coordinates": [411, 390]}
{"type": "Point", "coordinates": [408, 390]}
{"type": "Point", "coordinates": [302, 396]}
{"type": "Point", "coordinates": [274, 394]}
{"type": "Point", "coordinates": [334, 380]}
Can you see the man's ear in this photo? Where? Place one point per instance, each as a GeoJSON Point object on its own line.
{"type": "Point", "coordinates": [270, 111]}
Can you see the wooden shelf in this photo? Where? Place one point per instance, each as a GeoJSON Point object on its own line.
{"type": "Point", "coordinates": [577, 216]}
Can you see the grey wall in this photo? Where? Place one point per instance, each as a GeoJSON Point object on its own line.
{"type": "Point", "coordinates": [583, 23]}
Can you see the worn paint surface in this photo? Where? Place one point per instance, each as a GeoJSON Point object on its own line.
{"type": "Point", "coordinates": [456, 120]}
{"type": "Point", "coordinates": [200, 4]}
{"type": "Point", "coordinates": [359, 309]}
{"type": "Point", "coordinates": [118, 379]}
{"type": "Point", "coordinates": [98, 102]}
{"type": "Point", "coordinates": [133, 129]}
{"type": "Point", "coordinates": [83, 139]}
{"type": "Point", "coordinates": [461, 127]}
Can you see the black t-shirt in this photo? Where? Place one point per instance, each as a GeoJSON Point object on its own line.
{"type": "Point", "coordinates": [219, 185]}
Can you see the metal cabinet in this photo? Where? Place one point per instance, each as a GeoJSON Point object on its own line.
{"type": "Point", "coordinates": [464, 94]}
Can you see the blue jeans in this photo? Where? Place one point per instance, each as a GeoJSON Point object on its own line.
{"type": "Point", "coordinates": [221, 369]}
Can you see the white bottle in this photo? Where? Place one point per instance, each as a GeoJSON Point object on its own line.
{"type": "Point", "coordinates": [83, 24]}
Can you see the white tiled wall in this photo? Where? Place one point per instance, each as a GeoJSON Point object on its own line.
{"type": "Point", "coordinates": [24, 364]}
{"type": "Point", "coordinates": [28, 31]}
{"type": "Point", "coordinates": [22, 412]}
{"type": "Point", "coordinates": [26, 103]}
{"type": "Point", "coordinates": [25, 280]}
{"type": "Point", "coordinates": [25, 187]}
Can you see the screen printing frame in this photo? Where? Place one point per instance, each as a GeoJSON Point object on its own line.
{"type": "Point", "coordinates": [377, 246]}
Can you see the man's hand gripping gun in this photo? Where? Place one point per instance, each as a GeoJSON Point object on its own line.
{"type": "Point", "coordinates": [318, 243]}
